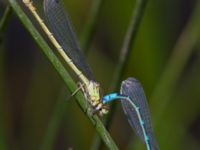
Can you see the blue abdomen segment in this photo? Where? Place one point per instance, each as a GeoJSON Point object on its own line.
{"type": "Point", "coordinates": [110, 97]}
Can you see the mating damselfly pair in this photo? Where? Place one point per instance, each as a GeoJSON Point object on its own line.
{"type": "Point", "coordinates": [57, 27]}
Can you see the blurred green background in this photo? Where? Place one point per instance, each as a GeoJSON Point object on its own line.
{"type": "Point", "coordinates": [164, 57]}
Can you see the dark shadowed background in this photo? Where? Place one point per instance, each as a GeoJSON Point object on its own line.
{"type": "Point", "coordinates": [165, 58]}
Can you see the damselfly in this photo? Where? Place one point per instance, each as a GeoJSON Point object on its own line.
{"type": "Point", "coordinates": [59, 31]}
{"type": "Point", "coordinates": [136, 109]}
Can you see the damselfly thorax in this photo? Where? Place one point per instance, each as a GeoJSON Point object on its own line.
{"type": "Point", "coordinates": [93, 94]}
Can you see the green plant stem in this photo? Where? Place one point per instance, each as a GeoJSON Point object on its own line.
{"type": "Point", "coordinates": [129, 39]}
{"type": "Point", "coordinates": [64, 76]}
{"type": "Point", "coordinates": [177, 62]}
{"type": "Point", "coordinates": [4, 19]}
{"type": "Point", "coordinates": [89, 29]}
{"type": "Point", "coordinates": [3, 140]}
{"type": "Point", "coordinates": [126, 49]}
{"type": "Point", "coordinates": [55, 121]}
{"type": "Point", "coordinates": [58, 114]}
{"type": "Point", "coordinates": [3, 24]}
{"type": "Point", "coordinates": [161, 96]}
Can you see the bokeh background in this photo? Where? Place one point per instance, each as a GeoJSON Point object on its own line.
{"type": "Point", "coordinates": [164, 57]}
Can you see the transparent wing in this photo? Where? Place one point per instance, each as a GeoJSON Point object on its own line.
{"type": "Point", "coordinates": [133, 89]}
{"type": "Point", "coordinates": [59, 24]}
